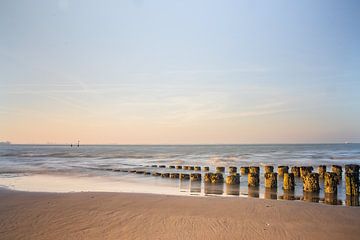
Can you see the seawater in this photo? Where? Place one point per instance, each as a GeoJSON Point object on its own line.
{"type": "Point", "coordinates": [110, 161]}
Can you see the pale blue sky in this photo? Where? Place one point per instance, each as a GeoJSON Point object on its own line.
{"type": "Point", "coordinates": [180, 71]}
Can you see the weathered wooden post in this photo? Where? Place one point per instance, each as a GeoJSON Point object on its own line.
{"type": "Point", "coordinates": [195, 176]}
{"type": "Point", "coordinates": [270, 180]}
{"type": "Point", "coordinates": [206, 169]}
{"type": "Point", "coordinates": [232, 170]}
{"type": "Point", "coordinates": [296, 171]}
{"type": "Point", "coordinates": [253, 179]}
{"type": "Point", "coordinates": [197, 168]}
{"type": "Point", "coordinates": [174, 175]}
{"type": "Point", "coordinates": [352, 179]}
{"type": "Point", "coordinates": [233, 179]}
{"type": "Point", "coordinates": [330, 182]}
{"type": "Point", "coordinates": [352, 184]}
{"type": "Point", "coordinates": [289, 182]}
{"type": "Point", "coordinates": [322, 171]}
{"type": "Point", "coordinates": [178, 167]}
{"type": "Point", "coordinates": [338, 170]}
{"type": "Point", "coordinates": [207, 177]}
{"type": "Point", "coordinates": [186, 167]}
{"type": "Point", "coordinates": [311, 182]}
{"type": "Point", "coordinates": [191, 168]}
{"type": "Point", "coordinates": [282, 170]}
{"type": "Point", "coordinates": [352, 168]}
{"type": "Point", "coordinates": [305, 170]}
{"type": "Point", "coordinates": [268, 169]}
{"type": "Point", "coordinates": [165, 175]}
{"type": "Point", "coordinates": [244, 170]}
{"type": "Point", "coordinates": [217, 178]}
{"type": "Point", "coordinates": [184, 176]}
{"type": "Point", "coordinates": [254, 169]}
{"type": "Point", "coordinates": [220, 169]}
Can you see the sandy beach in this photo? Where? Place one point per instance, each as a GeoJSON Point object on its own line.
{"type": "Point", "coordinates": [29, 215]}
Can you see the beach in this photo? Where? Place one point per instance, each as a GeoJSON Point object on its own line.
{"type": "Point", "coordinates": [87, 215]}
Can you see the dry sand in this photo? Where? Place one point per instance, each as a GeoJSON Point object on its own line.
{"type": "Point", "coordinates": [26, 215]}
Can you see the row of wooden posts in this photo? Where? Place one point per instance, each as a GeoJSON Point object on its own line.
{"type": "Point", "coordinates": [309, 178]}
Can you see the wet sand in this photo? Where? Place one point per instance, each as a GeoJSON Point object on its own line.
{"type": "Point", "coordinates": [28, 215]}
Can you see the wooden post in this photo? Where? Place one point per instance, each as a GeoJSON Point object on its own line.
{"type": "Point", "coordinates": [254, 169]}
{"type": "Point", "coordinates": [282, 170]}
{"type": "Point", "coordinates": [338, 170]}
{"type": "Point", "coordinates": [352, 168]}
{"type": "Point", "coordinates": [184, 176]}
{"type": "Point", "coordinates": [207, 177]}
{"type": "Point", "coordinates": [217, 178]}
{"type": "Point", "coordinates": [270, 180]}
{"type": "Point", "coordinates": [197, 168]}
{"type": "Point", "coordinates": [165, 175]}
{"type": "Point", "coordinates": [244, 170]}
{"type": "Point", "coordinates": [305, 170]}
{"type": "Point", "coordinates": [322, 171]}
{"type": "Point", "coordinates": [296, 171]}
{"type": "Point", "coordinates": [330, 182]}
{"type": "Point", "coordinates": [269, 169]}
{"type": "Point", "coordinates": [289, 182]}
{"type": "Point", "coordinates": [352, 184]}
{"type": "Point", "coordinates": [232, 170]}
{"type": "Point", "coordinates": [233, 179]}
{"type": "Point", "coordinates": [195, 176]}
{"type": "Point", "coordinates": [253, 179]}
{"type": "Point", "coordinates": [311, 182]}
{"type": "Point", "coordinates": [174, 175]}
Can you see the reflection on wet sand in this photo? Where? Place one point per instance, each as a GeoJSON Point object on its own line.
{"type": "Point", "coordinates": [332, 199]}
{"type": "Point", "coordinates": [213, 188]}
{"type": "Point", "coordinates": [253, 192]}
{"type": "Point", "coordinates": [352, 200]}
{"type": "Point", "coordinates": [270, 193]}
{"type": "Point", "coordinates": [195, 187]}
{"type": "Point", "coordinates": [289, 195]}
{"type": "Point", "coordinates": [311, 197]}
{"type": "Point", "coordinates": [233, 189]}
{"type": "Point", "coordinates": [184, 185]}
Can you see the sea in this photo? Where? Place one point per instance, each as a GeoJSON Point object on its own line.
{"type": "Point", "coordinates": [121, 168]}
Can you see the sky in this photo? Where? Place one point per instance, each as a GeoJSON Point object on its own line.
{"type": "Point", "coordinates": [179, 72]}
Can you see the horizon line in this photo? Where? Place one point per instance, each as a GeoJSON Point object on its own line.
{"type": "Point", "coordinates": [183, 144]}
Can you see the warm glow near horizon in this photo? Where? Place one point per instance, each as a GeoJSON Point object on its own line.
{"type": "Point", "coordinates": [155, 72]}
